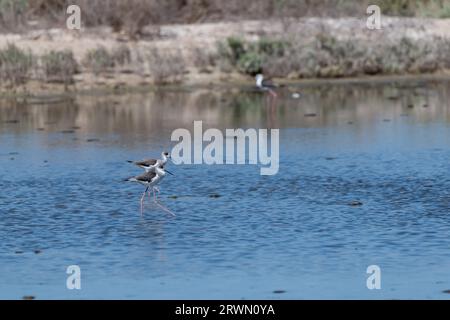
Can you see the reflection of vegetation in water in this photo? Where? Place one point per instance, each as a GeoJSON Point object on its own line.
{"type": "Point", "coordinates": [246, 104]}
{"type": "Point", "coordinates": [162, 111]}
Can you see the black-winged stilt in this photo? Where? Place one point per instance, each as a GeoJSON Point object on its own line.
{"type": "Point", "coordinates": [265, 85]}
{"type": "Point", "coordinates": [150, 180]}
{"type": "Point", "coordinates": [149, 165]}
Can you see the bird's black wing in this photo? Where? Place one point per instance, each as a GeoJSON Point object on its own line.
{"type": "Point", "coordinates": [146, 177]}
{"type": "Point", "coordinates": [146, 162]}
{"type": "Point", "coordinates": [268, 84]}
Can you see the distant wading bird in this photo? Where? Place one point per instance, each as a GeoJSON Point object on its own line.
{"type": "Point", "coordinates": [266, 85]}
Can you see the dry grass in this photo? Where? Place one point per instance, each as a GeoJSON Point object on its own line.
{"type": "Point", "coordinates": [13, 14]}
{"type": "Point", "coordinates": [15, 65]}
{"type": "Point", "coordinates": [59, 67]}
{"type": "Point", "coordinates": [131, 18]}
{"type": "Point", "coordinates": [327, 57]}
{"type": "Point", "coordinates": [166, 67]}
{"type": "Point", "coordinates": [121, 56]}
{"type": "Point", "coordinates": [100, 60]}
{"type": "Point", "coordinates": [203, 60]}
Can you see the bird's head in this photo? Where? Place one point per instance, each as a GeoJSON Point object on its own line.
{"type": "Point", "coordinates": [166, 155]}
{"type": "Point", "coordinates": [162, 171]}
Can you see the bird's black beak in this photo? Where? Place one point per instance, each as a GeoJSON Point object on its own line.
{"type": "Point", "coordinates": [169, 172]}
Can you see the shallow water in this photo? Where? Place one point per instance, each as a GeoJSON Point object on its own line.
{"type": "Point", "coordinates": [237, 234]}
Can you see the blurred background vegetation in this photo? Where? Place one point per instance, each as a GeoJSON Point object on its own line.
{"type": "Point", "coordinates": [132, 16]}
{"type": "Point", "coordinates": [285, 54]}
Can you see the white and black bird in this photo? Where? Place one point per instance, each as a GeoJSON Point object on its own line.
{"type": "Point", "coordinates": [266, 85]}
{"type": "Point", "coordinates": [149, 165]}
{"type": "Point", "coordinates": [150, 180]}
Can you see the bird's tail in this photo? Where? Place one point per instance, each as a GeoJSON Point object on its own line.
{"type": "Point", "coordinates": [131, 179]}
{"type": "Point", "coordinates": [130, 161]}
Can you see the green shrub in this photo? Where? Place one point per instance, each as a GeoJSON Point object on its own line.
{"type": "Point", "coordinates": [250, 57]}
{"type": "Point", "coordinates": [59, 66]}
{"type": "Point", "coordinates": [428, 8]}
{"type": "Point", "coordinates": [98, 60]}
{"type": "Point", "coordinates": [13, 13]}
{"type": "Point", "coordinates": [398, 7]}
{"type": "Point", "coordinates": [250, 63]}
{"type": "Point", "coordinates": [121, 55]}
{"type": "Point", "coordinates": [15, 64]}
{"type": "Point", "coordinates": [270, 47]}
{"type": "Point", "coordinates": [445, 13]}
{"type": "Point", "coordinates": [237, 47]}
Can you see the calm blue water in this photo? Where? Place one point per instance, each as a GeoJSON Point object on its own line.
{"type": "Point", "coordinates": [237, 234]}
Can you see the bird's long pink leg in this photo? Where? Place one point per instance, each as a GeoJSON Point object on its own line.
{"type": "Point", "coordinates": [273, 93]}
{"type": "Point", "coordinates": [159, 204]}
{"type": "Point", "coordinates": [165, 209]}
{"type": "Point", "coordinates": [142, 202]}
